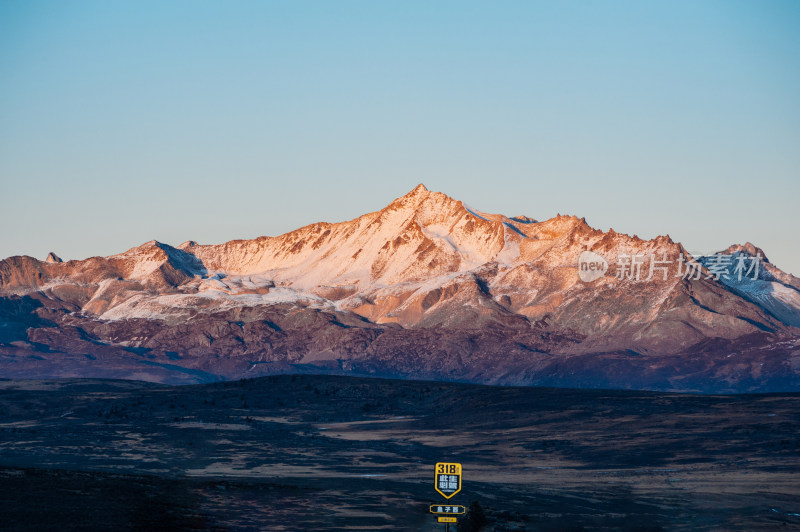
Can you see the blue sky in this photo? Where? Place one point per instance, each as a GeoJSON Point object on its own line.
{"type": "Point", "coordinates": [122, 122]}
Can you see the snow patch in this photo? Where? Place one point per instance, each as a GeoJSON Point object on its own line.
{"type": "Point", "coordinates": [164, 306]}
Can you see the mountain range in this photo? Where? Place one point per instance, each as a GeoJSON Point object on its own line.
{"type": "Point", "coordinates": [427, 287]}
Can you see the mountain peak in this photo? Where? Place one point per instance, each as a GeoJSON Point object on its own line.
{"type": "Point", "coordinates": [413, 198]}
{"type": "Point", "coordinates": [52, 258]}
{"type": "Point", "coordinates": [747, 248]}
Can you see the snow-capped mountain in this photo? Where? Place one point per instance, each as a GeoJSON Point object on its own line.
{"type": "Point", "coordinates": [425, 287]}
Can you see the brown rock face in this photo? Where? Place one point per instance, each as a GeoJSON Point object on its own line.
{"type": "Point", "coordinates": [426, 288]}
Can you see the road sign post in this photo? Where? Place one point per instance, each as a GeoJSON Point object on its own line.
{"type": "Point", "coordinates": [447, 521]}
{"type": "Point", "coordinates": [447, 481]}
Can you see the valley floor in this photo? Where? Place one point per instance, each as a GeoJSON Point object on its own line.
{"type": "Point", "coordinates": [342, 453]}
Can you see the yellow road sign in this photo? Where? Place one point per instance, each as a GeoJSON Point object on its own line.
{"type": "Point", "coordinates": [448, 520]}
{"type": "Point", "coordinates": [447, 509]}
{"type": "Point", "coordinates": [447, 479]}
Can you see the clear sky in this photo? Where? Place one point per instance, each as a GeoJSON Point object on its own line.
{"type": "Point", "coordinates": [123, 122]}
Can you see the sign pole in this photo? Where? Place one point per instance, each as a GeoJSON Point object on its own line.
{"type": "Point", "coordinates": [447, 482]}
